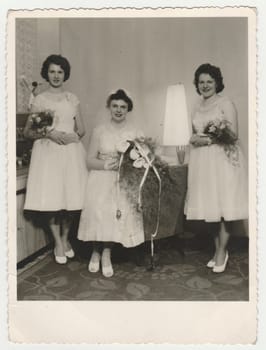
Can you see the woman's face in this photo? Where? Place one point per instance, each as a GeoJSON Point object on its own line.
{"type": "Point", "coordinates": [56, 75]}
{"type": "Point", "coordinates": [118, 110]}
{"type": "Point", "coordinates": [206, 85]}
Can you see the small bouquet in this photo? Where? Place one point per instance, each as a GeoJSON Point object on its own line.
{"type": "Point", "coordinates": [220, 133]}
{"type": "Point", "coordinates": [42, 122]}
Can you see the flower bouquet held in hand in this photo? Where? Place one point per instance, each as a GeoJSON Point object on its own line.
{"type": "Point", "coordinates": [220, 133]}
{"type": "Point", "coordinates": [42, 122]}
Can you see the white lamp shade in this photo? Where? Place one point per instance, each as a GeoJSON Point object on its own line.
{"type": "Point", "coordinates": [177, 126]}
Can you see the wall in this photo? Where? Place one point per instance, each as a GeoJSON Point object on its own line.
{"type": "Point", "coordinates": [48, 40]}
{"type": "Point", "coordinates": [144, 56]}
{"type": "Point", "coordinates": [35, 40]}
{"type": "Point", "coordinates": [26, 62]}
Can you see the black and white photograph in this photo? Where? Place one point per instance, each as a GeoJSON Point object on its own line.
{"type": "Point", "coordinates": [133, 169]}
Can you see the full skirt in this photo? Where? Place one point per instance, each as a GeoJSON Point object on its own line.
{"type": "Point", "coordinates": [217, 188]}
{"type": "Point", "coordinates": [57, 177]}
{"type": "Point", "coordinates": [99, 221]}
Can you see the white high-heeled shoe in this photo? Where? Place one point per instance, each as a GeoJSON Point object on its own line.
{"type": "Point", "coordinates": [60, 259]}
{"type": "Point", "coordinates": [107, 270]}
{"type": "Point", "coordinates": [70, 253]}
{"type": "Point", "coordinates": [211, 264]}
{"type": "Point", "coordinates": [94, 264]}
{"type": "Point", "coordinates": [221, 268]}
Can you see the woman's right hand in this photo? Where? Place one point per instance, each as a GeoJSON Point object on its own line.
{"type": "Point", "coordinates": [62, 138]}
{"type": "Point", "coordinates": [111, 164]}
{"type": "Point", "coordinates": [57, 137]}
{"type": "Point", "coordinates": [200, 140]}
{"type": "Point", "coordinates": [70, 138]}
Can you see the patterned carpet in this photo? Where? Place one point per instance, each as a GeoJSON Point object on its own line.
{"type": "Point", "coordinates": [175, 277]}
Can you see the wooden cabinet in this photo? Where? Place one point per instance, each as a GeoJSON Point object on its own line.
{"type": "Point", "coordinates": [30, 238]}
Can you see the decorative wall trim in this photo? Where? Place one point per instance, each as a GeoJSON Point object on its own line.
{"type": "Point", "coordinates": [26, 60]}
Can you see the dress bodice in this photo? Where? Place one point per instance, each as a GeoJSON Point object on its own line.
{"type": "Point", "coordinates": [204, 114]}
{"type": "Point", "coordinates": [109, 137]}
{"type": "Point", "coordinates": [63, 105]}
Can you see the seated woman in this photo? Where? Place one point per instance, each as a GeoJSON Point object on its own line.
{"type": "Point", "coordinates": [99, 221]}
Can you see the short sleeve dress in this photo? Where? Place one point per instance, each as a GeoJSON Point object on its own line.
{"type": "Point", "coordinates": [217, 187]}
{"type": "Point", "coordinates": [57, 173]}
{"type": "Point", "coordinates": [98, 221]}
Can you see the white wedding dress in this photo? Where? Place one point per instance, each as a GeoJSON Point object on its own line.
{"type": "Point", "coordinates": [98, 220]}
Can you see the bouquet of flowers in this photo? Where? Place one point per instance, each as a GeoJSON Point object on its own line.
{"type": "Point", "coordinates": [42, 122]}
{"type": "Point", "coordinates": [137, 158]}
{"type": "Point", "coordinates": [151, 185]}
{"type": "Point", "coordinates": [220, 133]}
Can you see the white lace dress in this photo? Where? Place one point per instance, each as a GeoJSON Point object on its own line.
{"type": "Point", "coordinates": [216, 187]}
{"type": "Point", "coordinates": [57, 173]}
{"type": "Point", "coordinates": [98, 220]}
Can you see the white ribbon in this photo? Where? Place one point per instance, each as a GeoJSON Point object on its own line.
{"type": "Point", "coordinates": [118, 211]}
{"type": "Point", "coordinates": [150, 165]}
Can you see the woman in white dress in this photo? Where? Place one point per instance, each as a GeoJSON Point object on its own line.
{"type": "Point", "coordinates": [57, 173]}
{"type": "Point", "coordinates": [217, 180]}
{"type": "Point", "coordinates": [99, 221]}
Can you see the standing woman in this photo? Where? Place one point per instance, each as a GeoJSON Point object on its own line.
{"type": "Point", "coordinates": [217, 179]}
{"type": "Point", "coordinates": [99, 221]}
{"type": "Point", "coordinates": [57, 172]}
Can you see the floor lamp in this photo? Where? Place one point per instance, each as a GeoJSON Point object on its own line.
{"type": "Point", "coordinates": [176, 126]}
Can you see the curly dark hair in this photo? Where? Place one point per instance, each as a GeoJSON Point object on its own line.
{"type": "Point", "coordinates": [120, 95]}
{"type": "Point", "coordinates": [58, 60]}
{"type": "Point", "coordinates": [213, 71]}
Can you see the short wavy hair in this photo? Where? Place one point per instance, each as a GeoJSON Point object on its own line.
{"type": "Point", "coordinates": [58, 60]}
{"type": "Point", "coordinates": [213, 71]}
{"type": "Point", "coordinates": [120, 95]}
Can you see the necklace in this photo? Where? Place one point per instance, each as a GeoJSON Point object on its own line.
{"type": "Point", "coordinates": [206, 105]}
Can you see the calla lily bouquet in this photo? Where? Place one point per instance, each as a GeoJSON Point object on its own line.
{"type": "Point", "coordinates": [142, 175]}
{"type": "Point", "coordinates": [141, 151]}
{"type": "Point", "coordinates": [153, 187]}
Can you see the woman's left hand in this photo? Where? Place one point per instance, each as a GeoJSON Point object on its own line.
{"type": "Point", "coordinates": [111, 164]}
